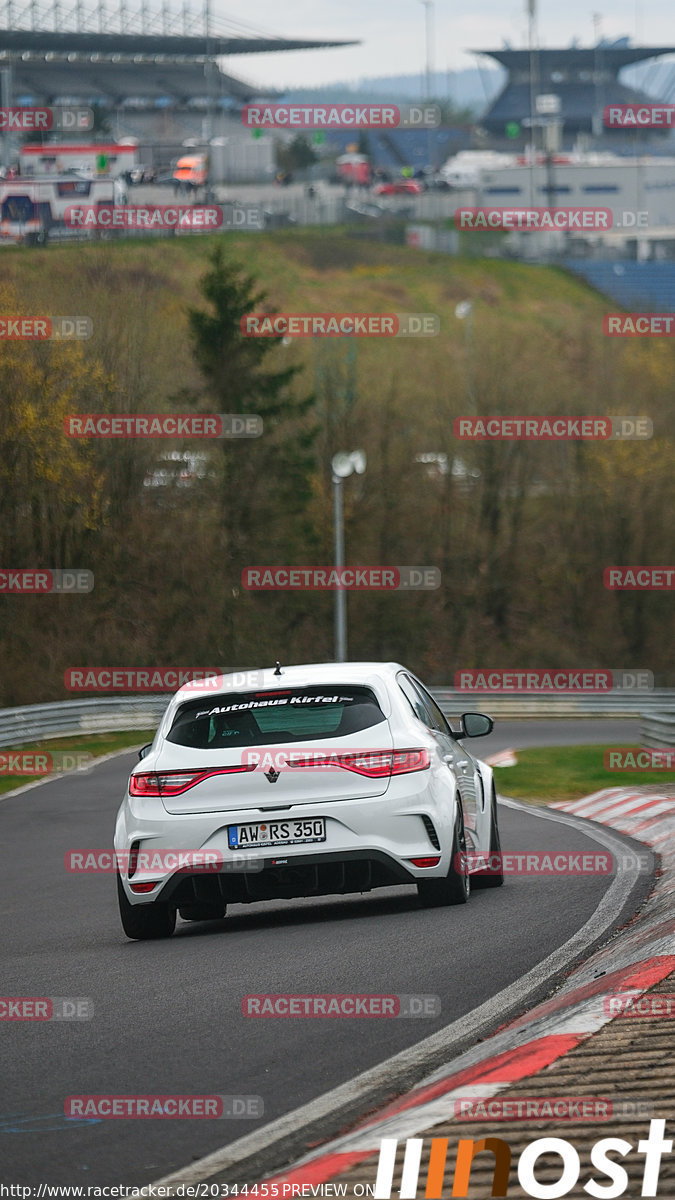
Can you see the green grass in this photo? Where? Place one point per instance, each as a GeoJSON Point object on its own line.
{"type": "Point", "coordinates": [543, 776]}
{"type": "Point", "coordinates": [94, 744]}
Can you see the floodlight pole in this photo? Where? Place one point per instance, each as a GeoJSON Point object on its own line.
{"type": "Point", "coordinates": [340, 608]}
{"type": "Point", "coordinates": [343, 465]}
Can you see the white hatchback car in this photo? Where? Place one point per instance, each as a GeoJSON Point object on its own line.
{"type": "Point", "coordinates": [318, 780]}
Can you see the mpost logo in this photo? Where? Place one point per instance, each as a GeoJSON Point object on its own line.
{"type": "Point", "coordinates": [32, 582]}
{"type": "Point", "coordinates": [162, 425]}
{"type": "Point", "coordinates": [528, 220]}
{"type": "Point", "coordinates": [639, 579]}
{"type": "Point", "coordinates": [383, 579]}
{"type": "Point", "coordinates": [45, 329]}
{"type": "Point", "coordinates": [653, 1147]}
{"type": "Point", "coordinates": [639, 116]}
{"type": "Point", "coordinates": [637, 324]}
{"type": "Point", "coordinates": [340, 324]}
{"type": "Point", "coordinates": [552, 429]}
{"type": "Point", "coordinates": [41, 120]}
{"type": "Point", "coordinates": [553, 680]}
{"type": "Point", "coordinates": [341, 116]}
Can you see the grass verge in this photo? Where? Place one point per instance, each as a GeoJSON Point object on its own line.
{"type": "Point", "coordinates": [545, 775]}
{"type": "Point", "coordinates": [96, 744]}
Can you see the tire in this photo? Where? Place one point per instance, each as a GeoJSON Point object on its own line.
{"type": "Point", "coordinates": [455, 888]}
{"type": "Point", "coordinates": [143, 922]}
{"type": "Point", "coordinates": [483, 880]}
{"type": "Point", "coordinates": [203, 912]}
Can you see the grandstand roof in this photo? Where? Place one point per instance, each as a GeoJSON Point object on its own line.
{"type": "Point", "coordinates": [578, 58]}
{"type": "Point", "coordinates": [17, 41]}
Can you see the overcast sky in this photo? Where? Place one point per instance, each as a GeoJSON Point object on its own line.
{"type": "Point", "coordinates": [392, 33]}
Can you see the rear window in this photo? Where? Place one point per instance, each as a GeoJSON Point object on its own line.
{"type": "Point", "coordinates": [265, 718]}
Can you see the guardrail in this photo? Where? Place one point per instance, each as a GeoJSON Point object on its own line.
{"type": "Point", "coordinates": [658, 730]}
{"type": "Point", "coordinates": [620, 704]}
{"type": "Point", "coordinates": [106, 714]}
{"type": "Point", "coordinates": [103, 714]}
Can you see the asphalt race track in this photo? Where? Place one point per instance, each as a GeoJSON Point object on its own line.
{"type": "Point", "coordinates": [167, 1015]}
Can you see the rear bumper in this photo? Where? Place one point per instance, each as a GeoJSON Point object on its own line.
{"type": "Point", "coordinates": [368, 844]}
{"type": "Point", "coordinates": [286, 879]}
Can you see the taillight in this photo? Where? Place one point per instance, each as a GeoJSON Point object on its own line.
{"type": "Point", "coordinates": [425, 862]}
{"type": "Point", "coordinates": [377, 764]}
{"type": "Point", "coordinates": [172, 783]}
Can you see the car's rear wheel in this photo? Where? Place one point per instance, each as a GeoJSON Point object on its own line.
{"type": "Point", "coordinates": [202, 912]}
{"type": "Point", "coordinates": [455, 888]}
{"type": "Point", "coordinates": [141, 922]}
{"type": "Point", "coordinates": [495, 876]}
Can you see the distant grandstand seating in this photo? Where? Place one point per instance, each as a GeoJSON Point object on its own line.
{"type": "Point", "coordinates": [399, 148]}
{"type": "Point", "coordinates": [147, 84]}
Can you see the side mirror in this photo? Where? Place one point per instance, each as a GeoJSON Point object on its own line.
{"type": "Point", "coordinates": [144, 750]}
{"type": "Point", "coordinates": [476, 724]}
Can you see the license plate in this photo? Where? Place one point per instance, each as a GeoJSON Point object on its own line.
{"type": "Point", "coordinates": [276, 833]}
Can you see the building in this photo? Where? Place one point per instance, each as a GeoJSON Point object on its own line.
{"type": "Point", "coordinates": [586, 80]}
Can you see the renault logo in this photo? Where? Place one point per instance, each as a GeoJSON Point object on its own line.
{"type": "Point", "coordinates": [272, 775]}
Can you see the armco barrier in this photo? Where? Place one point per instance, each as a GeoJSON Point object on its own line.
{"type": "Point", "coordinates": [624, 704]}
{"type": "Point", "coordinates": [105, 714]}
{"type": "Point", "coordinates": [658, 730]}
